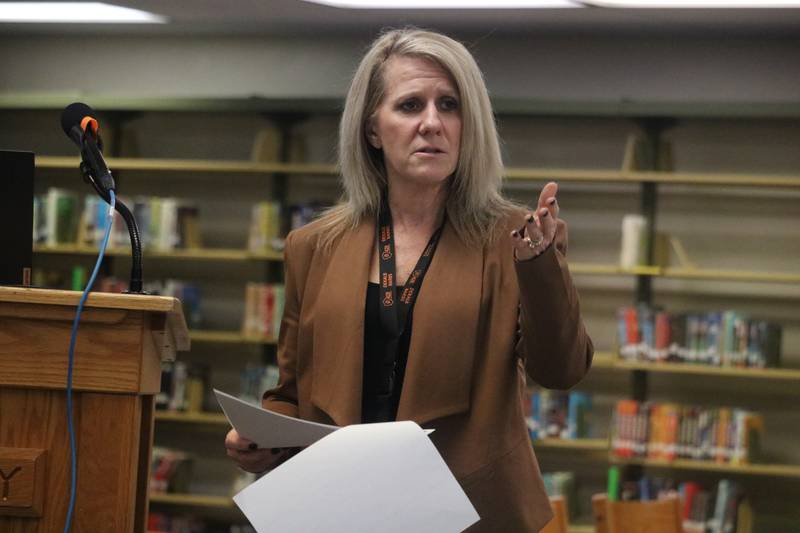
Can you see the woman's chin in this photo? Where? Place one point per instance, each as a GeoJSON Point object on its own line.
{"type": "Point", "coordinates": [429, 176]}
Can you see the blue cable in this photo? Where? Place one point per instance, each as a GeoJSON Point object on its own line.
{"type": "Point", "coordinates": [103, 245]}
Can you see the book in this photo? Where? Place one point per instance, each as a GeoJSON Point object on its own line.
{"type": "Point", "coordinates": [666, 431]}
{"type": "Point", "coordinates": [578, 406]}
{"type": "Point", "coordinates": [265, 227]}
{"type": "Point", "coordinates": [633, 248]}
{"type": "Point", "coordinates": [716, 338]}
{"type": "Point", "coordinates": [263, 310]}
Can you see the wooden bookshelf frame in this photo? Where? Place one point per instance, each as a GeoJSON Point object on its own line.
{"type": "Point", "coordinates": [602, 446]}
{"type": "Point", "coordinates": [512, 173]}
{"type": "Point", "coordinates": [610, 361]}
{"type": "Point", "coordinates": [192, 500]}
{"type": "Point", "coordinates": [600, 269]}
{"type": "Point", "coordinates": [202, 418]}
{"type": "Point", "coordinates": [211, 254]}
{"type": "Point", "coordinates": [572, 445]}
{"type": "Point", "coordinates": [229, 337]}
{"type": "Point", "coordinates": [768, 470]}
{"type": "Point", "coordinates": [685, 273]}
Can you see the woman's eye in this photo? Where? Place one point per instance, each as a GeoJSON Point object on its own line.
{"type": "Point", "coordinates": [449, 104]}
{"type": "Point", "coordinates": [409, 105]}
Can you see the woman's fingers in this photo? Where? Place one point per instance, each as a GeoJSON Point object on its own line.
{"type": "Point", "coordinates": [234, 441]}
{"type": "Point", "coordinates": [530, 241]}
{"type": "Point", "coordinates": [552, 205]}
{"type": "Point", "coordinates": [521, 250]}
{"type": "Point", "coordinates": [548, 191]}
{"type": "Point", "coordinates": [249, 456]}
{"type": "Point", "coordinates": [547, 225]}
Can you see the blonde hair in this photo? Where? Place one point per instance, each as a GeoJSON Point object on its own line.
{"type": "Point", "coordinates": [474, 204]}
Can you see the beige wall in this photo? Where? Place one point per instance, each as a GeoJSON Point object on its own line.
{"type": "Point", "coordinates": [561, 68]}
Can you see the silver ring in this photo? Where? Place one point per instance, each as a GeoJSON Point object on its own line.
{"type": "Point", "coordinates": [537, 242]}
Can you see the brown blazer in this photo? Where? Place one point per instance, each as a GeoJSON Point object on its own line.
{"type": "Point", "coordinates": [466, 361]}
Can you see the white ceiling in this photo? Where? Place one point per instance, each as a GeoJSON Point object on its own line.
{"type": "Point", "coordinates": [296, 17]}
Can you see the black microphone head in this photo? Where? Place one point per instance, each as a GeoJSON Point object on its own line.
{"type": "Point", "coordinates": [73, 115]}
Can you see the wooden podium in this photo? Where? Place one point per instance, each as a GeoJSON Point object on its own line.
{"type": "Point", "coordinates": [122, 340]}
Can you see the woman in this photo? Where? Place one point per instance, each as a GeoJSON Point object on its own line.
{"type": "Point", "coordinates": [421, 168]}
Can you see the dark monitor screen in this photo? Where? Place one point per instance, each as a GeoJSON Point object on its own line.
{"type": "Point", "coordinates": [16, 215]}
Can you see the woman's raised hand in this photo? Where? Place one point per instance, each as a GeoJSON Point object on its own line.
{"type": "Point", "coordinates": [540, 226]}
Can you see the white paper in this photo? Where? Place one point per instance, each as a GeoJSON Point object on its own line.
{"type": "Point", "coordinates": [364, 478]}
{"type": "Point", "coordinates": [267, 428]}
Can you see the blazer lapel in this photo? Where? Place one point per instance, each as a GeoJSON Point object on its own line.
{"type": "Point", "coordinates": [338, 338]}
{"type": "Point", "coordinates": [439, 371]}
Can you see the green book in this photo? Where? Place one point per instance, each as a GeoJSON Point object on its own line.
{"type": "Point", "coordinates": [612, 490]}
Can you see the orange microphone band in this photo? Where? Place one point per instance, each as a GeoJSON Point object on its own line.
{"type": "Point", "coordinates": [89, 121]}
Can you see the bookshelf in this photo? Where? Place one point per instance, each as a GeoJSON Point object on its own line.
{"type": "Point", "coordinates": [205, 254]}
{"type": "Point", "coordinates": [757, 469]}
{"type": "Point", "coordinates": [191, 166]}
{"type": "Point", "coordinates": [193, 500]}
{"type": "Point", "coordinates": [525, 174]}
{"type": "Point", "coordinates": [572, 445]}
{"type": "Point", "coordinates": [223, 346]}
{"type": "Point", "coordinates": [610, 361]}
{"type": "Point", "coordinates": [599, 269]}
{"type": "Point", "coordinates": [599, 449]}
{"type": "Point", "coordinates": [778, 374]}
{"type": "Point", "coordinates": [228, 337]}
{"type": "Point", "coordinates": [214, 419]}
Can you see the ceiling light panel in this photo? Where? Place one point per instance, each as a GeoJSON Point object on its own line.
{"type": "Point", "coordinates": [695, 4]}
{"type": "Point", "coordinates": [75, 12]}
{"type": "Point", "coordinates": [449, 4]}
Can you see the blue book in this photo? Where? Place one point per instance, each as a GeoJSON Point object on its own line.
{"type": "Point", "coordinates": [579, 404]}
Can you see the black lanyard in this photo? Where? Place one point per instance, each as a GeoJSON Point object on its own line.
{"type": "Point", "coordinates": [394, 310]}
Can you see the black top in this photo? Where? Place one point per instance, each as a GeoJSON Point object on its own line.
{"type": "Point", "coordinates": [379, 400]}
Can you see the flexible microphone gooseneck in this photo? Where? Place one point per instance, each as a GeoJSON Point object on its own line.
{"type": "Point", "coordinates": [80, 125]}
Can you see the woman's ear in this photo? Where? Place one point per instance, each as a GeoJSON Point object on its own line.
{"type": "Point", "coordinates": [372, 135]}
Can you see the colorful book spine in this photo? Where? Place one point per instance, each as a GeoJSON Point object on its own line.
{"type": "Point", "coordinates": [263, 310]}
{"type": "Point", "coordinates": [666, 431]}
{"type": "Point", "coordinates": [719, 338]}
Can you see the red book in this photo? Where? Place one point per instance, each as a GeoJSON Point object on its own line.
{"type": "Point", "coordinates": [662, 335]}
{"type": "Point", "coordinates": [269, 309]}
{"type": "Point", "coordinates": [632, 325]}
{"type": "Point", "coordinates": [690, 490]}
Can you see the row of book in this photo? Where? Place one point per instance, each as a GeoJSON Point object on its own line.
{"type": "Point", "coordinates": [721, 509]}
{"type": "Point", "coordinates": [170, 470]}
{"type": "Point", "coordinates": [727, 511]}
{"type": "Point", "coordinates": [721, 338]}
{"type": "Point", "coordinates": [263, 309]}
{"type": "Point", "coordinates": [61, 216]}
{"type": "Point", "coordinates": [562, 484]}
{"type": "Point", "coordinates": [188, 293]}
{"type": "Point", "coordinates": [268, 226]}
{"type": "Point", "coordinates": [255, 379]}
{"type": "Point", "coordinates": [161, 522]}
{"type": "Point", "coordinates": [557, 414]}
{"type": "Point", "coordinates": [184, 387]}
{"type": "Point", "coordinates": [668, 431]}
{"type": "Point", "coordinates": [76, 278]}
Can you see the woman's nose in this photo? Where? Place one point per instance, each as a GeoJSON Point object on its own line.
{"type": "Point", "coordinates": [431, 121]}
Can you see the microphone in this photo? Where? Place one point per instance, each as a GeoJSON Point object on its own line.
{"type": "Point", "coordinates": [80, 125]}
